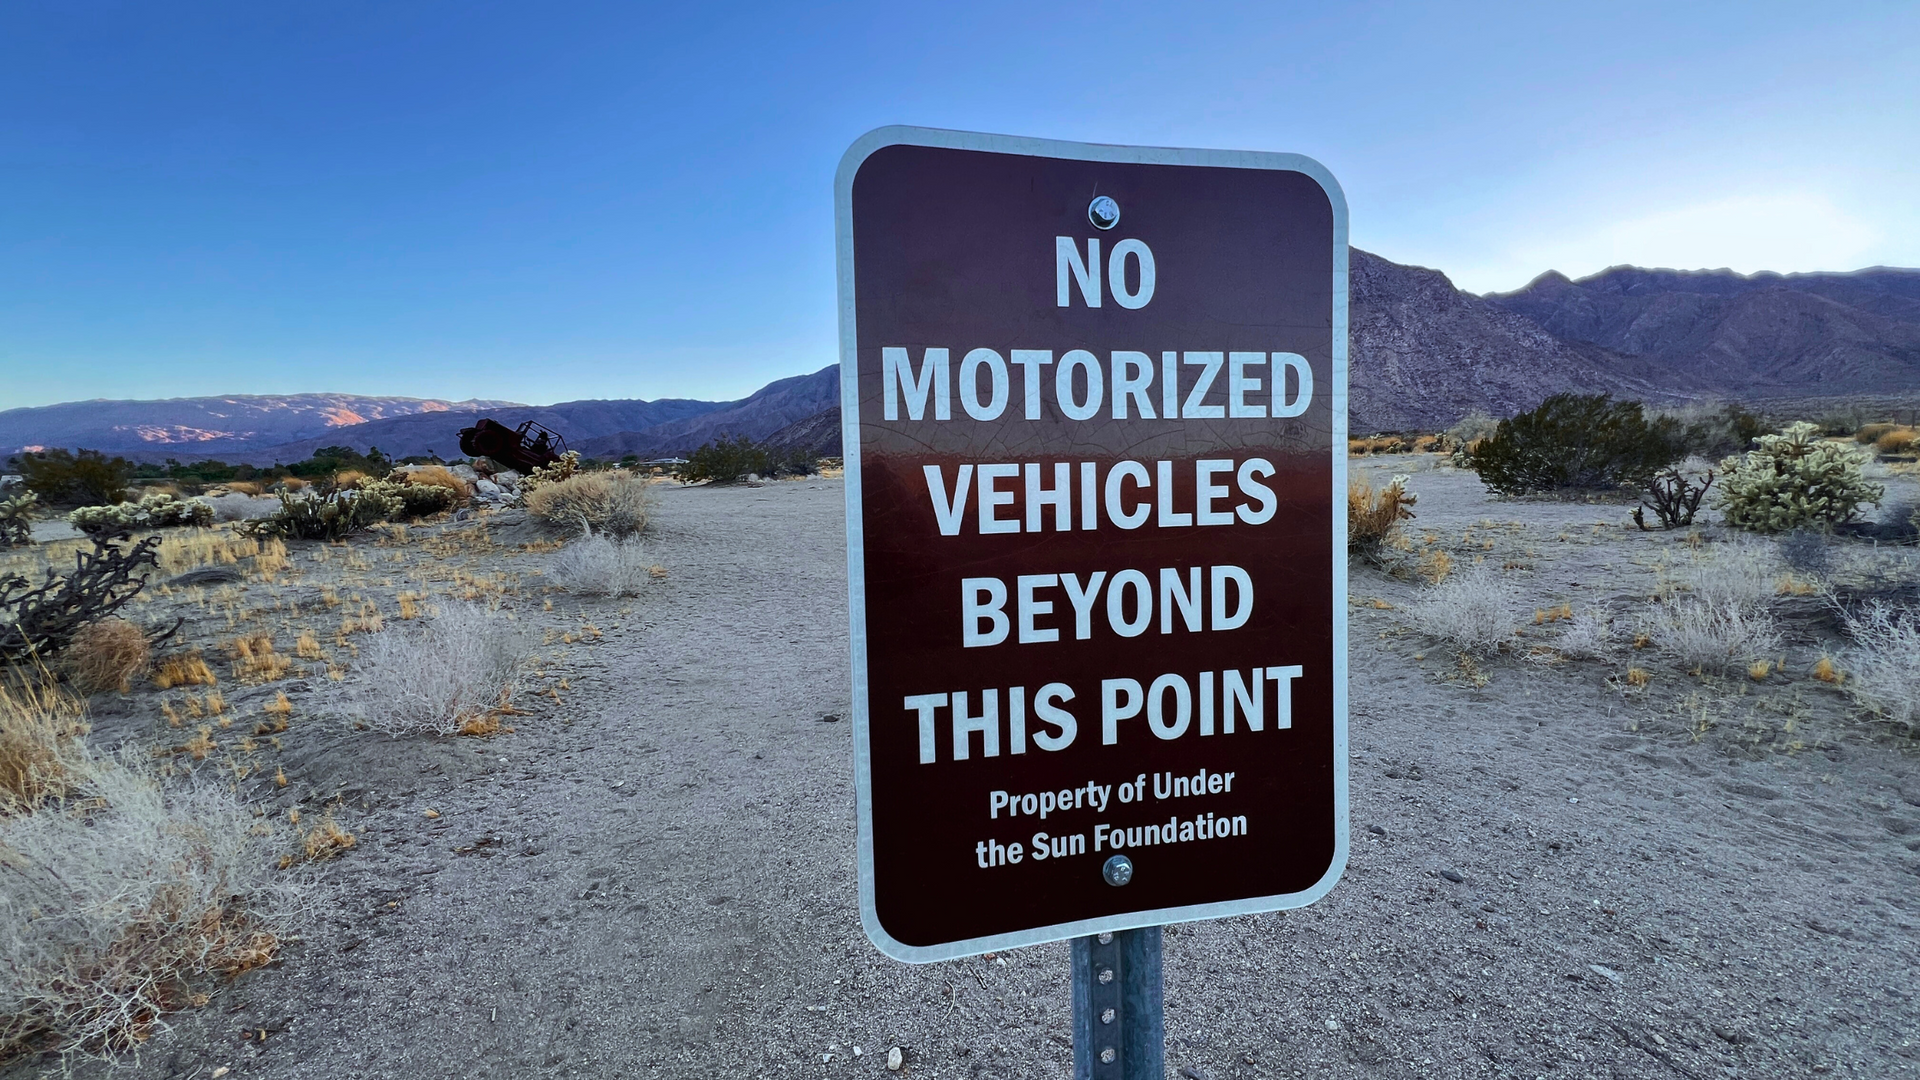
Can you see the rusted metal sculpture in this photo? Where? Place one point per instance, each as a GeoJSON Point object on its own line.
{"type": "Point", "coordinates": [523, 449]}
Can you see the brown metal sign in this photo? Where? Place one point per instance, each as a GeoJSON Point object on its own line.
{"type": "Point", "coordinates": [1094, 405]}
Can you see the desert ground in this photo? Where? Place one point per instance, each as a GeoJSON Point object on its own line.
{"type": "Point", "coordinates": [1558, 869]}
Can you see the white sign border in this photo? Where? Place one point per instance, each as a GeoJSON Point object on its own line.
{"type": "Point", "coordinates": [850, 163]}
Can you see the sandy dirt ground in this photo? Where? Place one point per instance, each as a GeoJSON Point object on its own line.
{"type": "Point", "coordinates": [1553, 873]}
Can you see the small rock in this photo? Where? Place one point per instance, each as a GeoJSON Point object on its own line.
{"type": "Point", "coordinates": [896, 1059]}
{"type": "Point", "coordinates": [1192, 1073]}
{"type": "Point", "coordinates": [1453, 876]}
{"type": "Point", "coordinates": [486, 487]}
{"type": "Point", "coordinates": [1602, 969]}
{"type": "Point", "coordinates": [207, 575]}
{"type": "Point", "coordinates": [1376, 830]}
{"type": "Point", "coordinates": [857, 1051]}
{"type": "Point", "coordinates": [830, 718]}
{"type": "Point", "coordinates": [1731, 1034]}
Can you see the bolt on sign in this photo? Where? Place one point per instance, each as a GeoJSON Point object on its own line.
{"type": "Point", "coordinates": [1094, 408]}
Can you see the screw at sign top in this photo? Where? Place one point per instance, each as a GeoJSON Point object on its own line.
{"type": "Point", "coordinates": [1103, 212]}
{"type": "Point", "coordinates": [1118, 870]}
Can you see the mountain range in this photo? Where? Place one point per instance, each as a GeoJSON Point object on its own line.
{"type": "Point", "coordinates": [1423, 354]}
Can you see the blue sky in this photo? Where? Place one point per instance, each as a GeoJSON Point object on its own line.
{"type": "Point", "coordinates": [548, 201]}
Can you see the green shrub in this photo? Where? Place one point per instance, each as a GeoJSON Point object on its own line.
{"type": "Point", "coordinates": [1728, 431]}
{"type": "Point", "coordinates": [1794, 480]}
{"type": "Point", "coordinates": [156, 511]}
{"type": "Point", "coordinates": [726, 460]}
{"type": "Point", "coordinates": [87, 478]}
{"type": "Point", "coordinates": [1579, 443]}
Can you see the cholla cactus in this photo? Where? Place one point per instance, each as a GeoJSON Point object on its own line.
{"type": "Point", "coordinates": [157, 510]}
{"type": "Point", "coordinates": [16, 520]}
{"type": "Point", "coordinates": [1793, 480]}
{"type": "Point", "coordinates": [408, 499]}
{"type": "Point", "coordinates": [566, 465]}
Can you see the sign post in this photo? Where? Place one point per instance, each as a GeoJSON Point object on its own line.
{"type": "Point", "coordinates": [1094, 409]}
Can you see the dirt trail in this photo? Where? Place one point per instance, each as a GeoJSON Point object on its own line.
{"type": "Point", "coordinates": [661, 883]}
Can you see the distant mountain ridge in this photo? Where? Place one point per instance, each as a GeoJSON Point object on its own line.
{"type": "Point", "coordinates": [1740, 335]}
{"type": "Point", "coordinates": [207, 426]}
{"type": "Point", "coordinates": [1423, 353]}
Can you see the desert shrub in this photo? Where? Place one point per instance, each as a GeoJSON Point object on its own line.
{"type": "Point", "coordinates": [415, 500]}
{"type": "Point", "coordinates": [1883, 664]}
{"type": "Point", "coordinates": [611, 501]}
{"type": "Point", "coordinates": [312, 515]}
{"type": "Point", "coordinates": [37, 621]}
{"type": "Point", "coordinates": [1793, 480]}
{"type": "Point", "coordinates": [1474, 609]}
{"type": "Point", "coordinates": [1473, 429]}
{"type": "Point", "coordinates": [1372, 516]}
{"type": "Point", "coordinates": [443, 673]}
{"type": "Point", "coordinates": [1716, 432]}
{"type": "Point", "coordinates": [106, 655]}
{"type": "Point", "coordinates": [1870, 433]}
{"type": "Point", "coordinates": [1710, 636]}
{"type": "Point", "coordinates": [89, 477]}
{"type": "Point", "coordinates": [1588, 635]}
{"type": "Point", "coordinates": [1576, 442]}
{"type": "Point", "coordinates": [1897, 441]}
{"type": "Point", "coordinates": [597, 565]}
{"type": "Point", "coordinates": [726, 460]}
{"type": "Point", "coordinates": [118, 889]}
{"type": "Point", "coordinates": [16, 520]}
{"type": "Point", "coordinates": [1745, 576]}
{"type": "Point", "coordinates": [156, 511]}
{"type": "Point", "coordinates": [436, 476]}
{"type": "Point", "coordinates": [566, 467]}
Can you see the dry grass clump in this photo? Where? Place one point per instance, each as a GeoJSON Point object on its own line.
{"type": "Point", "coordinates": [1588, 635]}
{"type": "Point", "coordinates": [1883, 666]}
{"type": "Point", "coordinates": [439, 476]}
{"type": "Point", "coordinates": [191, 549]}
{"type": "Point", "coordinates": [255, 661]}
{"type": "Point", "coordinates": [1373, 516]}
{"type": "Point", "coordinates": [1475, 609]}
{"type": "Point", "coordinates": [596, 565]}
{"type": "Point", "coordinates": [1870, 433]}
{"type": "Point", "coordinates": [612, 501]}
{"type": "Point", "coordinates": [1900, 440]}
{"type": "Point", "coordinates": [106, 655]}
{"type": "Point", "coordinates": [183, 669]}
{"type": "Point", "coordinates": [432, 680]}
{"type": "Point", "coordinates": [119, 890]}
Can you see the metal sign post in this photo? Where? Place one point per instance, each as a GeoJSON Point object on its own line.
{"type": "Point", "coordinates": [1119, 1031]}
{"type": "Point", "coordinates": [1094, 422]}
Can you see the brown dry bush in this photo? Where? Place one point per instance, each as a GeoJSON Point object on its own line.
{"type": "Point", "coordinates": [1871, 433]}
{"type": "Point", "coordinates": [107, 655]}
{"type": "Point", "coordinates": [1897, 441]}
{"type": "Point", "coordinates": [1373, 516]}
{"type": "Point", "coordinates": [436, 476]}
{"type": "Point", "coordinates": [613, 502]}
